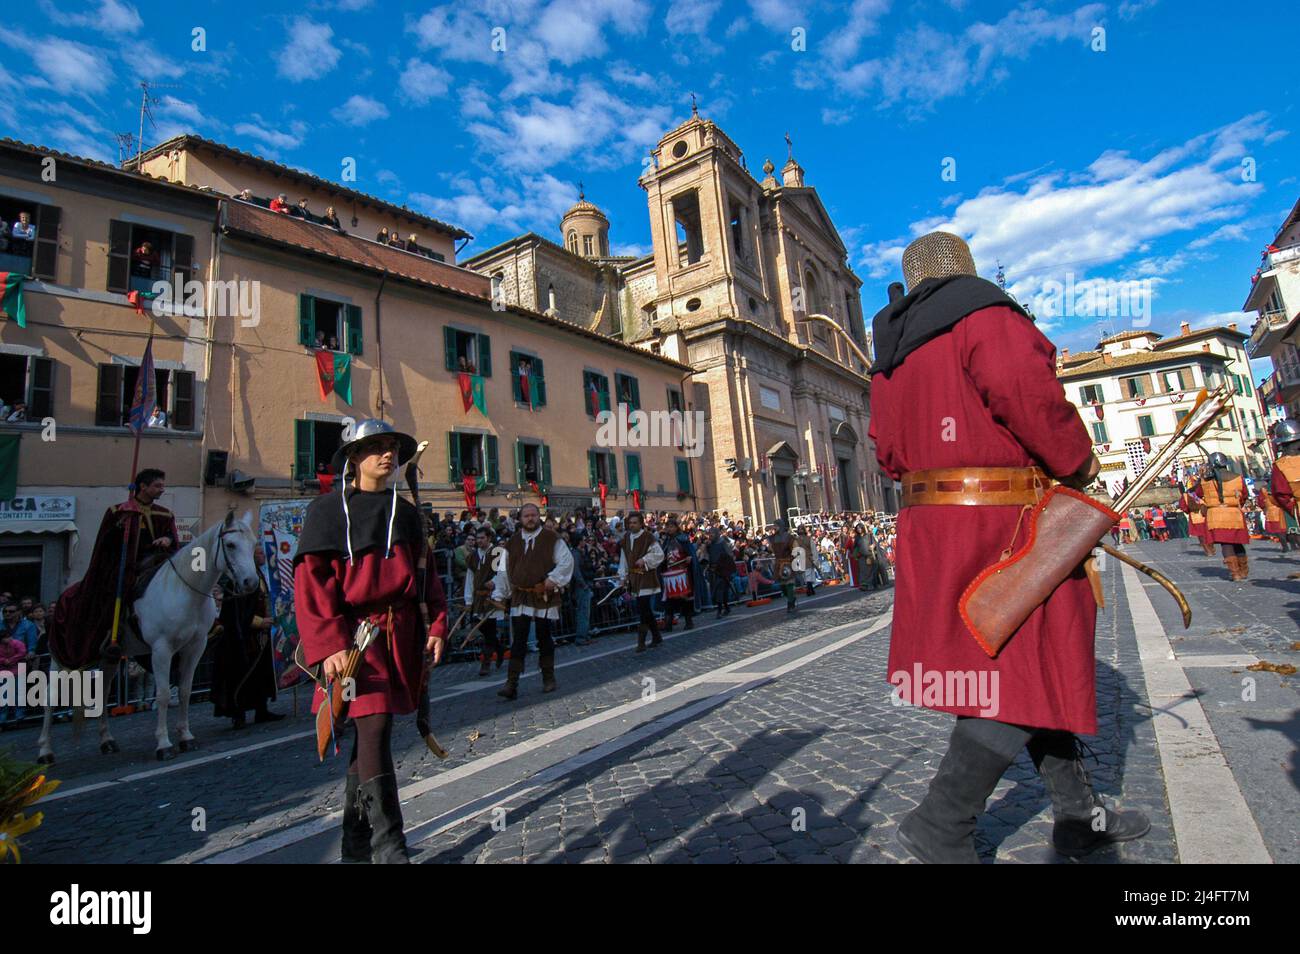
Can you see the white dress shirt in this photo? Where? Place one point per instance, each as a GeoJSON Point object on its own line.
{"type": "Point", "coordinates": [561, 575]}
{"type": "Point", "coordinates": [652, 558]}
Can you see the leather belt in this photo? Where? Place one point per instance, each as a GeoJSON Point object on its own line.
{"type": "Point", "coordinates": [975, 486]}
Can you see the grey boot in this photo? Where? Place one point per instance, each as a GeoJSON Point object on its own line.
{"type": "Point", "coordinates": [356, 827]}
{"type": "Point", "coordinates": [941, 830]}
{"type": "Point", "coordinates": [384, 810]}
{"type": "Point", "coordinates": [1083, 821]}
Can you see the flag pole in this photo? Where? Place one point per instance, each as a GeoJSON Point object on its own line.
{"type": "Point", "coordinates": [114, 652]}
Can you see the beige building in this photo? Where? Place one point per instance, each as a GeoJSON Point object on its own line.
{"type": "Point", "coordinates": [737, 266]}
{"type": "Point", "coordinates": [1135, 388]}
{"type": "Point", "coordinates": [1275, 298]}
{"type": "Point", "coordinates": [236, 361]}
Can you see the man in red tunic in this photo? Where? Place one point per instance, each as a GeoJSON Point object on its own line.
{"type": "Point", "coordinates": [357, 559]}
{"type": "Point", "coordinates": [1285, 484]}
{"type": "Point", "coordinates": [964, 381]}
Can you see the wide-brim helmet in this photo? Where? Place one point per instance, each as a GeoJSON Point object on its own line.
{"type": "Point", "coordinates": [370, 428]}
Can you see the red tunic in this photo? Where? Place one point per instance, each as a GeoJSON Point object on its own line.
{"type": "Point", "coordinates": [329, 591]}
{"type": "Point", "coordinates": [1224, 520]}
{"type": "Point", "coordinates": [1282, 490]}
{"type": "Point", "coordinates": [1195, 521]}
{"type": "Point", "coordinates": [989, 387]}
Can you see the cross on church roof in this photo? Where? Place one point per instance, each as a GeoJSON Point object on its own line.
{"type": "Point", "coordinates": [581, 195]}
{"type": "Point", "coordinates": [694, 109]}
{"type": "Point", "coordinates": [789, 148]}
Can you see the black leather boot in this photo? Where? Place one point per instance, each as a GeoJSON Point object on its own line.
{"type": "Point", "coordinates": [941, 830]}
{"type": "Point", "coordinates": [640, 638]}
{"type": "Point", "coordinates": [356, 827]}
{"type": "Point", "coordinates": [485, 664]}
{"type": "Point", "coordinates": [1083, 821]}
{"type": "Point", "coordinates": [547, 664]}
{"type": "Point", "coordinates": [511, 689]}
{"type": "Point", "coordinates": [384, 811]}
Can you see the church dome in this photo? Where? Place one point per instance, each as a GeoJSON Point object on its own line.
{"type": "Point", "coordinates": [585, 229]}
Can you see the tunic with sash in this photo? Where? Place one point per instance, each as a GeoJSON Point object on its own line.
{"type": "Point", "coordinates": [479, 588]}
{"type": "Point", "coordinates": [640, 546]}
{"type": "Point", "coordinates": [992, 376]}
{"type": "Point", "coordinates": [1224, 520]}
{"type": "Point", "coordinates": [532, 558]}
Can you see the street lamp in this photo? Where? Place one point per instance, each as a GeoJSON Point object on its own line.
{"type": "Point", "coordinates": [801, 481]}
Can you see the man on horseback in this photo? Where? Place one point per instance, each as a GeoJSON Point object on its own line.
{"type": "Point", "coordinates": [137, 536]}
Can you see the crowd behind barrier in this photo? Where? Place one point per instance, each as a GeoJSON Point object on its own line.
{"type": "Point", "coordinates": [842, 548]}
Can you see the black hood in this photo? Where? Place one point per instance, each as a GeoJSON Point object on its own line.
{"type": "Point", "coordinates": [934, 306]}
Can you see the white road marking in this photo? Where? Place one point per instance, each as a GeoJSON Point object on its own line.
{"type": "Point", "coordinates": [1207, 661]}
{"type": "Point", "coordinates": [1212, 822]}
{"type": "Point", "coordinates": [461, 689]}
{"type": "Point", "coordinates": [284, 838]}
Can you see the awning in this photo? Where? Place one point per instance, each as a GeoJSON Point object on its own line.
{"type": "Point", "coordinates": [37, 526]}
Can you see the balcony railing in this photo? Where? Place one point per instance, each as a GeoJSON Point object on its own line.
{"type": "Point", "coordinates": [1283, 255]}
{"type": "Point", "coordinates": [1266, 332]}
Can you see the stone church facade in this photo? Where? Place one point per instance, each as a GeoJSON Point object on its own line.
{"type": "Point", "coordinates": [737, 265]}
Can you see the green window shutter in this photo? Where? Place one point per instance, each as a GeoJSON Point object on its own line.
{"type": "Point", "coordinates": [45, 256]}
{"type": "Point", "coordinates": [593, 476]}
{"type": "Point", "coordinates": [612, 463]}
{"type": "Point", "coordinates": [520, 479]}
{"type": "Point", "coordinates": [516, 386]}
{"type": "Point", "coordinates": [40, 396]}
{"type": "Point", "coordinates": [683, 476]}
{"type": "Point", "coordinates": [306, 320]}
{"type": "Point", "coordinates": [353, 313]}
{"type": "Point", "coordinates": [636, 394]}
{"type": "Point", "coordinates": [539, 386]}
{"type": "Point", "coordinates": [453, 458]}
{"type": "Point", "coordinates": [546, 466]}
{"type": "Point", "coordinates": [485, 356]}
{"type": "Point", "coordinates": [449, 346]}
{"type": "Point", "coordinates": [304, 454]}
{"type": "Point", "coordinates": [633, 465]}
{"type": "Point", "coordinates": [493, 470]}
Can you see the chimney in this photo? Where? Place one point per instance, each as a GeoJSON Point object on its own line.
{"type": "Point", "coordinates": [1184, 329]}
{"type": "Point", "coordinates": [1107, 357]}
{"type": "Point", "coordinates": [1065, 354]}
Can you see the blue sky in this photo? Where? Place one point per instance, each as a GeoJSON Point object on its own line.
{"type": "Point", "coordinates": [1163, 149]}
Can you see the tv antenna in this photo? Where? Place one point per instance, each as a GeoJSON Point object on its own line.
{"type": "Point", "coordinates": [147, 102]}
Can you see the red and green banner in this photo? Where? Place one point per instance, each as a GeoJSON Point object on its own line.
{"type": "Point", "coordinates": [11, 297]}
{"type": "Point", "coordinates": [334, 373]}
{"type": "Point", "coordinates": [636, 500]}
{"type": "Point", "coordinates": [473, 392]}
{"type": "Point", "coordinates": [537, 490]}
{"type": "Point", "coordinates": [597, 400]}
{"type": "Point", "coordinates": [529, 393]}
{"type": "Point", "coordinates": [136, 300]}
{"type": "Point", "coordinates": [472, 486]}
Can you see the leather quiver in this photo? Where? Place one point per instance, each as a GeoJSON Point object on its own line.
{"type": "Point", "coordinates": [1064, 527]}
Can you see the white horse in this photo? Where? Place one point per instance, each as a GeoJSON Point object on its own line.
{"type": "Point", "coordinates": [175, 615]}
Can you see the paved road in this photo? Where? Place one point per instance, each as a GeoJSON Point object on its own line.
{"type": "Point", "coordinates": [761, 738]}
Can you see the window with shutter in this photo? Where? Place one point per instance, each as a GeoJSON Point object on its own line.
{"type": "Point", "coordinates": [546, 465]}
{"type": "Point", "coordinates": [304, 453]}
{"type": "Point", "coordinates": [520, 480]}
{"type": "Point", "coordinates": [40, 396]}
{"type": "Point", "coordinates": [683, 475]}
{"type": "Point", "coordinates": [611, 466]}
{"type": "Point", "coordinates": [353, 317]}
{"type": "Point", "coordinates": [45, 261]}
{"type": "Point", "coordinates": [539, 383]}
{"type": "Point", "coordinates": [484, 356]}
{"type": "Point", "coordinates": [182, 418]}
{"type": "Point", "coordinates": [593, 471]}
{"type": "Point", "coordinates": [632, 464]}
{"type": "Point", "coordinates": [108, 406]}
{"type": "Point", "coordinates": [449, 348]}
{"type": "Point", "coordinates": [119, 256]}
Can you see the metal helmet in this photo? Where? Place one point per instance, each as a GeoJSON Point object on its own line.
{"type": "Point", "coordinates": [374, 428]}
{"type": "Point", "coordinates": [1219, 461]}
{"type": "Point", "coordinates": [1286, 432]}
{"type": "Point", "coordinates": [936, 255]}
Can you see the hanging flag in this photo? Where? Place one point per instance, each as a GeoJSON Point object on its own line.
{"type": "Point", "coordinates": [11, 297]}
{"type": "Point", "coordinates": [537, 490]}
{"type": "Point", "coordinates": [470, 486]}
{"type": "Point", "coordinates": [334, 373]}
{"type": "Point", "coordinates": [466, 390]}
{"type": "Point", "coordinates": [136, 300]}
{"type": "Point", "coordinates": [479, 393]}
{"type": "Point", "coordinates": [1141, 401]}
{"type": "Point", "coordinates": [636, 500]}
{"type": "Point", "coordinates": [593, 397]}
{"type": "Point", "coordinates": [1178, 397]}
{"type": "Point", "coordinates": [1277, 389]}
{"type": "Point", "coordinates": [1098, 410]}
{"type": "Point", "coordinates": [603, 488]}
{"type": "Point", "coordinates": [1146, 445]}
{"type": "Point", "coordinates": [146, 395]}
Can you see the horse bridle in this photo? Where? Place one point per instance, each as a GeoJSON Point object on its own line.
{"type": "Point", "coordinates": [221, 552]}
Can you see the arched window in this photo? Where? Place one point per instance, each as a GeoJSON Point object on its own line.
{"type": "Point", "coordinates": [811, 295]}
{"type": "Point", "coordinates": [573, 242]}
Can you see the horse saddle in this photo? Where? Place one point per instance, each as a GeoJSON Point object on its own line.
{"type": "Point", "coordinates": [145, 571]}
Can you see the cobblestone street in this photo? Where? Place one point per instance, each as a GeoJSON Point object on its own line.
{"type": "Point", "coordinates": [761, 738]}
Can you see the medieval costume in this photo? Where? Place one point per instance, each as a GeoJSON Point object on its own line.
{"type": "Point", "coordinates": [243, 672]}
{"type": "Point", "coordinates": [957, 347]}
{"type": "Point", "coordinates": [638, 556]}
{"type": "Point", "coordinates": [357, 560]}
{"type": "Point", "coordinates": [783, 569]}
{"type": "Point", "coordinates": [807, 577]}
{"type": "Point", "coordinates": [1189, 505]}
{"type": "Point", "coordinates": [532, 558]}
{"type": "Point", "coordinates": [1225, 523]}
{"type": "Point", "coordinates": [678, 579]}
{"type": "Point", "coordinates": [1284, 486]}
{"type": "Point", "coordinates": [722, 567]}
{"type": "Point", "coordinates": [481, 602]}
{"type": "Point", "coordinates": [83, 617]}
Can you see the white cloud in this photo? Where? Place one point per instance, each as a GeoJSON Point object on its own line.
{"type": "Point", "coordinates": [1133, 217]}
{"type": "Point", "coordinates": [111, 17]}
{"type": "Point", "coordinates": [863, 21]}
{"type": "Point", "coordinates": [309, 52]}
{"type": "Point", "coordinates": [536, 204]}
{"type": "Point", "coordinates": [65, 66]}
{"type": "Point", "coordinates": [273, 138]}
{"type": "Point", "coordinates": [927, 65]}
{"type": "Point", "coordinates": [421, 82]}
{"type": "Point", "coordinates": [178, 110]}
{"type": "Point", "coordinates": [604, 128]}
{"type": "Point", "coordinates": [360, 110]}
{"type": "Point", "coordinates": [630, 76]}
{"type": "Point", "coordinates": [836, 117]}
{"type": "Point", "coordinates": [690, 16]}
{"type": "Point", "coordinates": [574, 30]}
{"type": "Point", "coordinates": [781, 15]}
